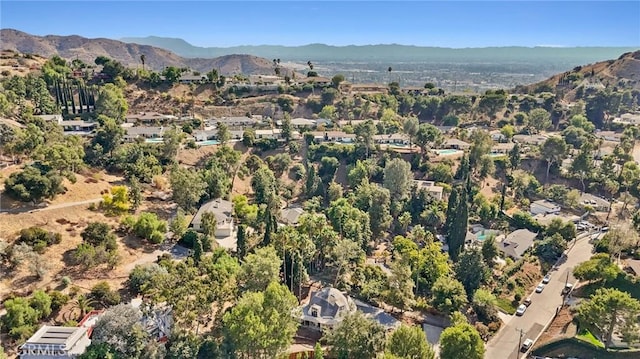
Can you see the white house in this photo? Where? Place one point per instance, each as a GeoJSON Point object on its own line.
{"type": "Point", "coordinates": [223, 210]}
{"type": "Point", "coordinates": [431, 187]}
{"type": "Point", "coordinates": [333, 136]}
{"type": "Point", "coordinates": [544, 207]}
{"type": "Point", "coordinates": [76, 127]}
{"type": "Point", "coordinates": [148, 117]}
{"type": "Point", "coordinates": [51, 118]}
{"type": "Point", "coordinates": [628, 119]}
{"type": "Point", "coordinates": [392, 139]}
{"type": "Point", "coordinates": [135, 132]}
{"type": "Point", "coordinates": [609, 136]}
{"type": "Point", "coordinates": [457, 144]}
{"type": "Point", "coordinates": [52, 342]}
{"type": "Point", "coordinates": [517, 242]}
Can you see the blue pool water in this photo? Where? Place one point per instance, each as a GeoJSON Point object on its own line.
{"type": "Point", "coordinates": [207, 143]}
{"type": "Point", "coordinates": [448, 151]}
{"type": "Point", "coordinates": [153, 140]}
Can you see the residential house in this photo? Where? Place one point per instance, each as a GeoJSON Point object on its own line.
{"type": "Point", "coordinates": [545, 219]}
{"type": "Point", "coordinates": [299, 122]}
{"type": "Point", "coordinates": [628, 119]}
{"type": "Point", "coordinates": [497, 136]}
{"type": "Point", "coordinates": [192, 79]}
{"type": "Point", "coordinates": [536, 140]}
{"type": "Point", "coordinates": [78, 127]}
{"type": "Point", "coordinates": [56, 342]}
{"type": "Point", "coordinates": [517, 242]}
{"type": "Point", "coordinates": [502, 148]}
{"type": "Point", "coordinates": [414, 90]}
{"type": "Point", "coordinates": [223, 210]}
{"type": "Point", "coordinates": [272, 134]}
{"type": "Point", "coordinates": [315, 80]}
{"type": "Point", "coordinates": [204, 135]}
{"type": "Point", "coordinates": [595, 202]}
{"type": "Point", "coordinates": [455, 143]}
{"type": "Point", "coordinates": [149, 117]}
{"type": "Point", "coordinates": [135, 132]}
{"type": "Point", "coordinates": [543, 206]}
{"type": "Point", "coordinates": [234, 121]}
{"type": "Point", "coordinates": [51, 118]}
{"type": "Point", "coordinates": [609, 136]}
{"type": "Point", "coordinates": [478, 234]}
{"type": "Point", "coordinates": [391, 139]}
{"type": "Point", "coordinates": [328, 307]}
{"type": "Point", "coordinates": [431, 187]}
{"type": "Point", "coordinates": [157, 321]}
{"type": "Point", "coordinates": [333, 136]}
{"type": "Point", "coordinates": [369, 89]}
{"type": "Point", "coordinates": [265, 79]}
{"type": "Point", "coordinates": [291, 215]}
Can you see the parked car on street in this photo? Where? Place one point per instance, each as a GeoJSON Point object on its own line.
{"type": "Point", "coordinates": [567, 288]}
{"type": "Point", "coordinates": [521, 309]}
{"type": "Point", "coordinates": [546, 279]}
{"type": "Point", "coordinates": [526, 345]}
{"type": "Point", "coordinates": [540, 288]}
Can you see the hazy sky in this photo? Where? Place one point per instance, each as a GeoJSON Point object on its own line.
{"type": "Point", "coordinates": [424, 23]}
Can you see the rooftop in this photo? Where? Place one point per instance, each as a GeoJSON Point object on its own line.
{"type": "Point", "coordinates": [50, 335]}
{"type": "Point", "coordinates": [222, 209]}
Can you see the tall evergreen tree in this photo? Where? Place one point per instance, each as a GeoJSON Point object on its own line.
{"type": "Point", "coordinates": [242, 241]}
{"type": "Point", "coordinates": [451, 209]}
{"type": "Point", "coordinates": [457, 230]}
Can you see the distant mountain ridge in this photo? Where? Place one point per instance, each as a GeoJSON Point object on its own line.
{"type": "Point", "coordinates": [85, 49]}
{"type": "Point", "coordinates": [392, 52]}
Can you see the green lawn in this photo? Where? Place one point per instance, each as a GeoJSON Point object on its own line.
{"type": "Point", "coordinates": [589, 338]}
{"type": "Point", "coordinates": [505, 304]}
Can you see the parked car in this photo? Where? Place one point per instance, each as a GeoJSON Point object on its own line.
{"type": "Point", "coordinates": [604, 229]}
{"type": "Point", "coordinates": [521, 309]}
{"type": "Point", "coordinates": [546, 279]}
{"type": "Point", "coordinates": [527, 301]}
{"type": "Point", "coordinates": [526, 345]}
{"type": "Point", "coordinates": [567, 288]}
{"type": "Point", "coordinates": [540, 288]}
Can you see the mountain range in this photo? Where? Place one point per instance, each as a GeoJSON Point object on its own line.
{"type": "Point", "coordinates": [78, 47]}
{"type": "Point", "coordinates": [563, 56]}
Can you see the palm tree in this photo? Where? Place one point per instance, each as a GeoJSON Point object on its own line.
{"type": "Point", "coordinates": [84, 304]}
{"type": "Point", "coordinates": [142, 58]}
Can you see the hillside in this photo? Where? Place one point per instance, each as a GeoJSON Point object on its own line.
{"type": "Point", "coordinates": [72, 47]}
{"type": "Point", "coordinates": [623, 72]}
{"type": "Point", "coordinates": [568, 56]}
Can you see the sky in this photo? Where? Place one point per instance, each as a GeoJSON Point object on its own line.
{"type": "Point", "coordinates": [455, 24]}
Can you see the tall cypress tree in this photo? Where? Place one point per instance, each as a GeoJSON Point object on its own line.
{"type": "Point", "coordinates": [457, 232]}
{"type": "Point", "coordinates": [241, 249]}
{"type": "Point", "coordinates": [451, 209]}
{"type": "Point", "coordinates": [463, 170]}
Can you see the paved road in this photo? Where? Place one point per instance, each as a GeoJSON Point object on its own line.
{"type": "Point", "coordinates": [542, 309]}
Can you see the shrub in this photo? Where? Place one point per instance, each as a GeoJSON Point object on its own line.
{"type": "Point", "coordinates": [142, 274]}
{"type": "Point", "coordinates": [66, 281]}
{"type": "Point", "coordinates": [38, 238]}
{"type": "Point", "coordinates": [103, 294]}
{"type": "Point", "coordinates": [58, 299]}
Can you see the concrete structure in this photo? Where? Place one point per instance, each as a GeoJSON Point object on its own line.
{"type": "Point", "coordinates": [51, 118]}
{"type": "Point", "coordinates": [134, 132]}
{"type": "Point", "coordinates": [333, 136]}
{"type": "Point", "coordinates": [75, 127]}
{"type": "Point", "coordinates": [223, 210]}
{"type": "Point", "coordinates": [431, 187]}
{"type": "Point", "coordinates": [55, 343]}
{"type": "Point", "coordinates": [517, 242]}
{"type": "Point", "coordinates": [544, 207]}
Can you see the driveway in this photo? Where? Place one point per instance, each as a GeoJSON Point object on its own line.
{"type": "Point", "coordinates": [543, 307]}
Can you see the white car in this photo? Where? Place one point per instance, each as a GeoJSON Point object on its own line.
{"type": "Point", "coordinates": [521, 309]}
{"type": "Point", "coordinates": [540, 288]}
{"type": "Point", "coordinates": [546, 279]}
{"type": "Point", "coordinates": [526, 345]}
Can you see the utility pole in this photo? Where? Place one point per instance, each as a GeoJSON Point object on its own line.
{"type": "Point", "coordinates": [521, 332]}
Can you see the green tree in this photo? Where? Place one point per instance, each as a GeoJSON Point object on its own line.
{"type": "Point", "coordinates": [539, 119]}
{"type": "Point", "coordinates": [376, 201]}
{"type": "Point", "coordinates": [408, 342]}
{"type": "Point", "coordinates": [553, 150]}
{"type": "Point", "coordinates": [484, 304]}
{"type": "Point", "coordinates": [209, 223]}
{"type": "Point", "coordinates": [582, 164]}
{"type": "Point", "coordinates": [398, 178]}
{"type": "Point", "coordinates": [259, 269]}
{"type": "Point", "coordinates": [457, 229]}
{"type": "Point", "coordinates": [171, 141]}
{"type": "Point", "coordinates": [410, 127]}
{"type": "Point", "coordinates": [448, 295]}
{"type": "Point", "coordinates": [399, 287]}
{"type": "Point", "coordinates": [551, 247]}
{"type": "Point", "coordinates": [179, 224]}
{"type": "Point", "coordinates": [489, 251]}
{"type": "Point", "coordinates": [260, 325]}
{"type": "Point", "coordinates": [187, 187]}
{"type": "Point", "coordinates": [599, 268]}
{"type": "Point", "coordinates": [242, 241]}
{"type": "Point", "coordinates": [171, 74]}
{"type": "Point", "coordinates": [427, 136]}
{"type": "Point", "coordinates": [356, 337]}
{"type": "Point", "coordinates": [565, 229]}
{"type": "Point", "coordinates": [99, 234]}
{"type": "Point", "coordinates": [120, 328]}
{"type": "Point", "coordinates": [33, 185]}
{"type": "Point", "coordinates": [111, 102]}
{"type": "Point", "coordinates": [117, 201]}
{"type": "Point", "coordinates": [609, 310]}
{"type": "Point", "coordinates": [223, 135]}
{"type": "Point", "coordinates": [471, 270]}
{"type": "Point", "coordinates": [318, 353]}
{"type": "Point", "coordinates": [461, 341]}
{"type": "Point", "coordinates": [514, 157]}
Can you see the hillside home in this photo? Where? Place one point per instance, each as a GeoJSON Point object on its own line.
{"type": "Point", "coordinates": [76, 127]}
{"type": "Point", "coordinates": [392, 139]}
{"type": "Point", "coordinates": [56, 342]}
{"type": "Point", "coordinates": [149, 117]}
{"type": "Point", "coordinates": [51, 118]}
{"type": "Point", "coordinates": [157, 321]}
{"type": "Point", "coordinates": [328, 307]}
{"type": "Point", "coordinates": [369, 89]}
{"type": "Point", "coordinates": [299, 122]}
{"type": "Point", "coordinates": [291, 215]}
{"type": "Point", "coordinates": [546, 219]}
{"type": "Point", "coordinates": [272, 134]}
{"type": "Point", "coordinates": [454, 143]}
{"type": "Point", "coordinates": [502, 148]}
{"type": "Point", "coordinates": [431, 187]}
{"type": "Point", "coordinates": [544, 207]}
{"type": "Point", "coordinates": [233, 122]}
{"type": "Point", "coordinates": [536, 140]}
{"type": "Point", "coordinates": [414, 90]}
{"type": "Point", "coordinates": [204, 135]}
{"type": "Point", "coordinates": [223, 210]}
{"type": "Point", "coordinates": [595, 202]}
{"type": "Point", "coordinates": [265, 79]}
{"type": "Point", "coordinates": [517, 243]}
{"type": "Point", "coordinates": [315, 80]}
{"type": "Point", "coordinates": [497, 136]}
{"type": "Point", "coordinates": [609, 136]}
{"type": "Point", "coordinates": [192, 79]}
{"type": "Point", "coordinates": [628, 119]}
{"type": "Point", "coordinates": [333, 136]}
{"type": "Point", "coordinates": [135, 132]}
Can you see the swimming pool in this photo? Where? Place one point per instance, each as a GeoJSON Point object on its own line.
{"type": "Point", "coordinates": [207, 143]}
{"type": "Point", "coordinates": [497, 155]}
{"type": "Point", "coordinates": [153, 140]}
{"type": "Point", "coordinates": [448, 151]}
